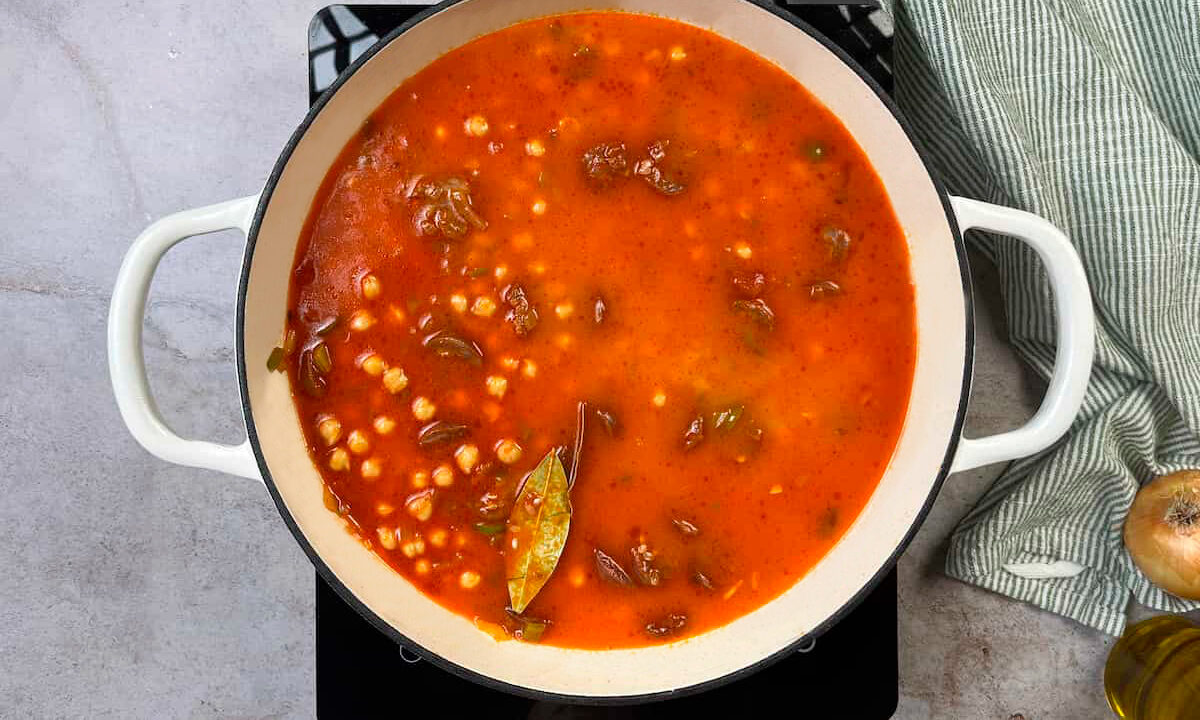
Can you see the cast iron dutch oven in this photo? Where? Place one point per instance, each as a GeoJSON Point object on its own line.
{"type": "Point", "coordinates": [930, 446]}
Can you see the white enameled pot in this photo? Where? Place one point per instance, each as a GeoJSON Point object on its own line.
{"type": "Point", "coordinates": [930, 446]}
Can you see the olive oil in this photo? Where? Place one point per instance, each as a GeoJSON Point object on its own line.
{"type": "Point", "coordinates": [1153, 672]}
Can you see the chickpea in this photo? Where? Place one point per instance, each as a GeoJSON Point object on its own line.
{"type": "Point", "coordinates": [469, 579]}
{"type": "Point", "coordinates": [420, 505]}
{"type": "Point", "coordinates": [358, 443]}
{"type": "Point", "coordinates": [339, 460]}
{"type": "Point", "coordinates": [497, 385]}
{"type": "Point", "coordinates": [476, 126]}
{"type": "Point", "coordinates": [483, 306]}
{"type": "Point", "coordinates": [373, 365]}
{"type": "Point", "coordinates": [413, 548]}
{"type": "Point", "coordinates": [371, 287]}
{"type": "Point", "coordinates": [387, 537]}
{"type": "Point", "coordinates": [383, 424]}
{"type": "Point", "coordinates": [361, 320]}
{"type": "Point", "coordinates": [438, 538]}
{"type": "Point", "coordinates": [330, 430]}
{"type": "Point", "coordinates": [423, 408]}
{"type": "Point", "coordinates": [443, 476]}
{"type": "Point", "coordinates": [371, 468]}
{"type": "Point", "coordinates": [395, 380]}
{"type": "Point", "coordinates": [467, 455]}
{"type": "Point", "coordinates": [508, 451]}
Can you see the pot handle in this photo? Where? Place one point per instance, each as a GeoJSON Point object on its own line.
{"type": "Point", "coordinates": [1076, 334]}
{"type": "Point", "coordinates": [126, 364]}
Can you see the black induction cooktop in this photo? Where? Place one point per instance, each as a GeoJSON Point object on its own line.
{"type": "Point", "coordinates": [851, 671]}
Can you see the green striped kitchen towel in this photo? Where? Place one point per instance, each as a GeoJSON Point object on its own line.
{"type": "Point", "coordinates": [1086, 112]}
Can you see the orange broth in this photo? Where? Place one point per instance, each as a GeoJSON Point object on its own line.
{"type": "Point", "coordinates": [754, 197]}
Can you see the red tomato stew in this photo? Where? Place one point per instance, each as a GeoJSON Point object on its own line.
{"type": "Point", "coordinates": [601, 331]}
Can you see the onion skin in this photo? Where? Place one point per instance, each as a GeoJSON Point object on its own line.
{"type": "Point", "coordinates": [1162, 533]}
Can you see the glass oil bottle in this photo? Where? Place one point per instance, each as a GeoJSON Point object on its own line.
{"type": "Point", "coordinates": [1153, 671]}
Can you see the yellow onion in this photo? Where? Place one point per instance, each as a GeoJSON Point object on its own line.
{"type": "Point", "coordinates": [1162, 533]}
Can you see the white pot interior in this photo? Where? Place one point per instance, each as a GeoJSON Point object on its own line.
{"type": "Point", "coordinates": [858, 556]}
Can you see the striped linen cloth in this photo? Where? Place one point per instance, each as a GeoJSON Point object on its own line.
{"type": "Point", "coordinates": [1086, 112]}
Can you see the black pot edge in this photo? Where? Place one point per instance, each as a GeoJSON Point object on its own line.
{"type": "Point", "coordinates": [384, 627]}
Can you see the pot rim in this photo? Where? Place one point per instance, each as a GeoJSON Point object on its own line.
{"type": "Point", "coordinates": [446, 664]}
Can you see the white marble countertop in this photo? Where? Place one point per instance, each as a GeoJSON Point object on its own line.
{"type": "Point", "coordinates": [133, 588]}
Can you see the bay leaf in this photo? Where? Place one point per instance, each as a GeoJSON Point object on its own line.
{"type": "Point", "coordinates": [537, 530]}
